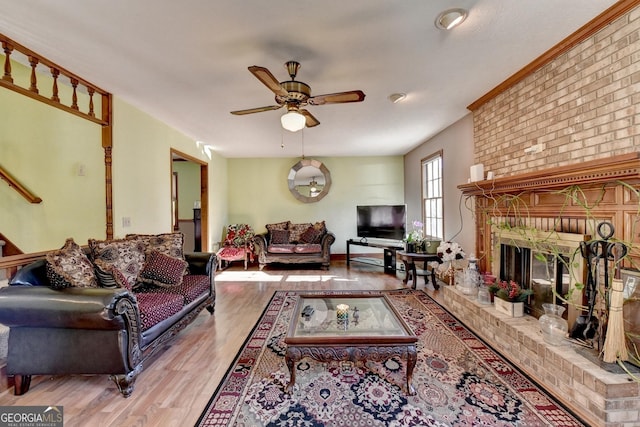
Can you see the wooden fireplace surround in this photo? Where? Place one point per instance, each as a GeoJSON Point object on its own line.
{"type": "Point", "coordinates": [605, 185]}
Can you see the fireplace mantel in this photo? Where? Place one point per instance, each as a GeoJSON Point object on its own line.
{"type": "Point", "coordinates": [545, 206]}
{"type": "Point", "coordinates": [624, 167]}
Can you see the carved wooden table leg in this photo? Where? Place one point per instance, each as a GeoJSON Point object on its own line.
{"type": "Point", "coordinates": [414, 275]}
{"type": "Point", "coordinates": [412, 357]}
{"type": "Point", "coordinates": [291, 364]}
{"type": "Point", "coordinates": [433, 278]}
{"type": "Point", "coordinates": [407, 270]}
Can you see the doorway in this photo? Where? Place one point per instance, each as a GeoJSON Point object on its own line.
{"type": "Point", "coordinates": [190, 200]}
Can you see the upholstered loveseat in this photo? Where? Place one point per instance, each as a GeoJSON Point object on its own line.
{"type": "Point", "coordinates": [290, 243]}
{"type": "Point", "coordinates": [103, 310]}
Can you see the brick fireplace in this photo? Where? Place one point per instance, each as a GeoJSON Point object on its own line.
{"type": "Point", "coordinates": [580, 101]}
{"type": "Point", "coordinates": [547, 262]}
{"type": "Point", "coordinates": [599, 397]}
{"type": "Point", "coordinates": [560, 207]}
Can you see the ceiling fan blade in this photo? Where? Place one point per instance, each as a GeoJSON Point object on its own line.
{"type": "Point", "coordinates": [334, 98]}
{"type": "Point", "coordinates": [268, 80]}
{"type": "Point", "coordinates": [256, 110]}
{"type": "Point", "coordinates": [310, 120]}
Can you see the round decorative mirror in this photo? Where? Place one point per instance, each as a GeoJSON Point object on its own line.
{"type": "Point", "coordinates": [309, 180]}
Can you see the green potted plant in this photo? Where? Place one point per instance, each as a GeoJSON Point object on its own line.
{"type": "Point", "coordinates": [493, 290]}
{"type": "Point", "coordinates": [415, 237]}
{"type": "Point", "coordinates": [510, 298]}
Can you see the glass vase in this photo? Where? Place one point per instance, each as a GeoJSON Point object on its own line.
{"type": "Point", "coordinates": [554, 328]}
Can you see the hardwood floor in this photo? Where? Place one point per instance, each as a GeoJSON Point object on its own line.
{"type": "Point", "coordinates": [175, 387]}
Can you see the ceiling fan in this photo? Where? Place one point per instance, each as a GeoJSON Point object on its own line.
{"type": "Point", "coordinates": [293, 95]}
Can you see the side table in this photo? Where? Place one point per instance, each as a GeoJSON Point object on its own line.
{"type": "Point", "coordinates": [410, 259]}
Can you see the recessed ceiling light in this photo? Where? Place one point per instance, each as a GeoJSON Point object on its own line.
{"type": "Point", "coordinates": [397, 97]}
{"type": "Point", "coordinates": [450, 18]}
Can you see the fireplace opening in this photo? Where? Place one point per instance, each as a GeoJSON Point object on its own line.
{"type": "Point", "coordinates": [547, 262]}
{"type": "Point", "coordinates": [544, 273]}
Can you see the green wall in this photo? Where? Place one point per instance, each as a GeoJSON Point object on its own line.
{"type": "Point", "coordinates": [142, 173]}
{"type": "Point", "coordinates": [58, 156]}
{"type": "Point", "coordinates": [259, 194]}
{"type": "Point", "coordinates": [45, 148]}
{"type": "Point", "coordinates": [188, 187]}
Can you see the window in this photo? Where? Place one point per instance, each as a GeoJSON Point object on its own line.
{"type": "Point", "coordinates": [432, 196]}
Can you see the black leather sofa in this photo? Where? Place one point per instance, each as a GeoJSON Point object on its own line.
{"type": "Point", "coordinates": [95, 330]}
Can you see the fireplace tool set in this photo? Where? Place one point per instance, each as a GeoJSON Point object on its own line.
{"type": "Point", "coordinates": [598, 253]}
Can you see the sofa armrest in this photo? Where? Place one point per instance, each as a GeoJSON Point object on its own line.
{"type": "Point", "coordinates": [75, 308]}
{"type": "Point", "coordinates": [201, 262]}
{"type": "Point", "coordinates": [260, 243]}
{"type": "Point", "coordinates": [327, 241]}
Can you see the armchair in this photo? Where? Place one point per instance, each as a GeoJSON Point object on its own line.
{"type": "Point", "coordinates": [237, 245]}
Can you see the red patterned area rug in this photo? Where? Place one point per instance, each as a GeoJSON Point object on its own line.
{"type": "Point", "coordinates": [459, 380]}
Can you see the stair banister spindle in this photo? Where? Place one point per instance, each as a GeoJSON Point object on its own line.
{"type": "Point", "coordinates": [55, 73]}
{"type": "Point", "coordinates": [74, 97]}
{"type": "Point", "coordinates": [34, 79]}
{"type": "Point", "coordinates": [8, 49]}
{"type": "Point", "coordinates": [91, 92]}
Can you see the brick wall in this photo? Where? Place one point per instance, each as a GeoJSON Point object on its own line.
{"type": "Point", "coordinates": [583, 105]}
{"type": "Point", "coordinates": [599, 397]}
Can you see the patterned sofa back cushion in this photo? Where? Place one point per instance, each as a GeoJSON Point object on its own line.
{"type": "Point", "coordinates": [171, 244]}
{"type": "Point", "coordinates": [296, 230]}
{"type": "Point", "coordinates": [278, 226]}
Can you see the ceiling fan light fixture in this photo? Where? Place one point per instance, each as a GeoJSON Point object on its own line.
{"type": "Point", "coordinates": [293, 121]}
{"type": "Point", "coordinates": [450, 18]}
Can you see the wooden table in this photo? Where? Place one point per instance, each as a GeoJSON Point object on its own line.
{"type": "Point", "coordinates": [377, 333]}
{"type": "Point", "coordinates": [410, 260]}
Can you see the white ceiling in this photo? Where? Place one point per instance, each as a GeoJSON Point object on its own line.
{"type": "Point", "coordinates": [185, 62]}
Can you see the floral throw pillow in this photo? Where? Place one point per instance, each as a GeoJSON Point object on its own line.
{"type": "Point", "coordinates": [69, 267]}
{"type": "Point", "coordinates": [163, 270]}
{"type": "Point", "coordinates": [239, 235]}
{"type": "Point", "coordinates": [126, 255]}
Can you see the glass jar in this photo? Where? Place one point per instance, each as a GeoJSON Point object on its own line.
{"type": "Point", "coordinates": [554, 328]}
{"type": "Point", "coordinates": [483, 295]}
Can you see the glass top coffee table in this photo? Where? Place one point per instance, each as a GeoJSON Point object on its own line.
{"type": "Point", "coordinates": [350, 327]}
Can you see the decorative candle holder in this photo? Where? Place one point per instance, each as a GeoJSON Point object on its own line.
{"type": "Point", "coordinates": [342, 313]}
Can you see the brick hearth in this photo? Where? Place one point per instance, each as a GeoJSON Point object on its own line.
{"type": "Point", "coordinates": [599, 397]}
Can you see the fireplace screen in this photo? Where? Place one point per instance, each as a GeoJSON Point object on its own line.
{"type": "Point", "coordinates": [542, 272]}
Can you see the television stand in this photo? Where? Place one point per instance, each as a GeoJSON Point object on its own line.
{"type": "Point", "coordinates": [389, 259]}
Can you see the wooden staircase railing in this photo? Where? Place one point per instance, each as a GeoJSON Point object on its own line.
{"type": "Point", "coordinates": [81, 90]}
{"type": "Point", "coordinates": [21, 189]}
{"type": "Point", "coordinates": [11, 257]}
{"type": "Point", "coordinates": [78, 85]}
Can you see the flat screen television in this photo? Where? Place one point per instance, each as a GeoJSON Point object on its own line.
{"type": "Point", "coordinates": [382, 221]}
